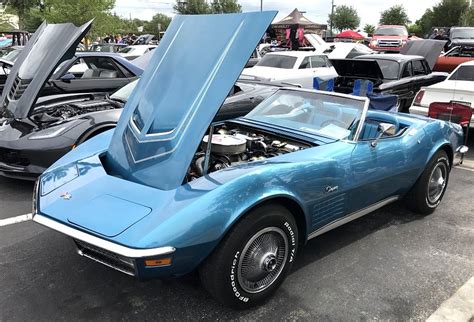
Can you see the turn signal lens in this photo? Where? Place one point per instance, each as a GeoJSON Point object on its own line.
{"type": "Point", "coordinates": [418, 98]}
{"type": "Point", "coordinates": [158, 262]}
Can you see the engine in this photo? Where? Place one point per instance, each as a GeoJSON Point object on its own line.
{"type": "Point", "coordinates": [58, 113]}
{"type": "Point", "coordinates": [231, 147]}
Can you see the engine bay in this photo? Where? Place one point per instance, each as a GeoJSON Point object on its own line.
{"type": "Point", "coordinates": [235, 145]}
{"type": "Point", "coordinates": [62, 112]}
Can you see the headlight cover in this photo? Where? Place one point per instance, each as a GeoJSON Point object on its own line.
{"type": "Point", "coordinates": [54, 131]}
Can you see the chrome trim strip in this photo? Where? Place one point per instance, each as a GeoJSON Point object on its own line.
{"type": "Point", "coordinates": [353, 216]}
{"type": "Point", "coordinates": [95, 241]}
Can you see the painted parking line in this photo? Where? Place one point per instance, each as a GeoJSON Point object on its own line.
{"type": "Point", "coordinates": [464, 168]}
{"type": "Point", "coordinates": [15, 220]}
{"type": "Point", "coordinates": [459, 307]}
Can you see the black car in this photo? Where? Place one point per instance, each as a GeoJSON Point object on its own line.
{"type": "Point", "coordinates": [460, 36]}
{"type": "Point", "coordinates": [66, 71]}
{"type": "Point", "coordinates": [59, 123]}
{"type": "Point", "coordinates": [401, 75]}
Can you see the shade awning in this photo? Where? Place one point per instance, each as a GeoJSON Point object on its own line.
{"type": "Point", "coordinates": [297, 18]}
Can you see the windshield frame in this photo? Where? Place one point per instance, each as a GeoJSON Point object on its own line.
{"type": "Point", "coordinates": [360, 126]}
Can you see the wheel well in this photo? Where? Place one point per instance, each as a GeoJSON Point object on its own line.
{"type": "Point", "coordinates": [449, 151]}
{"type": "Point", "coordinates": [295, 210]}
{"type": "Point", "coordinates": [95, 131]}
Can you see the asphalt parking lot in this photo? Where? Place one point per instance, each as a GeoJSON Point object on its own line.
{"type": "Point", "coordinates": [391, 264]}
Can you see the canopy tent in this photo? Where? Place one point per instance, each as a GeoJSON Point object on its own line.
{"type": "Point", "coordinates": [297, 18]}
{"type": "Point", "coordinates": [350, 34]}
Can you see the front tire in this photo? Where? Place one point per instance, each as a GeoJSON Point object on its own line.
{"type": "Point", "coordinates": [428, 191]}
{"type": "Point", "coordinates": [253, 259]}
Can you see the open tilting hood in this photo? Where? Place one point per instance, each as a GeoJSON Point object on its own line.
{"type": "Point", "coordinates": [50, 45]}
{"type": "Point", "coordinates": [360, 68]}
{"type": "Point", "coordinates": [428, 48]}
{"type": "Point", "coordinates": [193, 69]}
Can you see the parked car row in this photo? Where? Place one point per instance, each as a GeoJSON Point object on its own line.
{"type": "Point", "coordinates": [196, 166]}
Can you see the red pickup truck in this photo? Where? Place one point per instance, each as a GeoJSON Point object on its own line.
{"type": "Point", "coordinates": [389, 38]}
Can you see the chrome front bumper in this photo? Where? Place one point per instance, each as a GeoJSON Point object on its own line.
{"type": "Point", "coordinates": [105, 252]}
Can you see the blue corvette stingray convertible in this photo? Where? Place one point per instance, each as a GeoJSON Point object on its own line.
{"type": "Point", "coordinates": [169, 192]}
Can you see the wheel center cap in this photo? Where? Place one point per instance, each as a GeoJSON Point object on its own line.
{"type": "Point", "coordinates": [270, 263]}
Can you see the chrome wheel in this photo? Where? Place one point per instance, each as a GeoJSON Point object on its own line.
{"type": "Point", "coordinates": [437, 183]}
{"type": "Point", "coordinates": [263, 259]}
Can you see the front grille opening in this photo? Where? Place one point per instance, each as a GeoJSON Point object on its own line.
{"type": "Point", "coordinates": [112, 260]}
{"type": "Point", "coordinates": [13, 157]}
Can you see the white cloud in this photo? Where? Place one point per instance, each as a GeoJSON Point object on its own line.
{"type": "Point", "coordinates": [316, 10]}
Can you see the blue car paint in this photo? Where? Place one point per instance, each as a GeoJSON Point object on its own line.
{"type": "Point", "coordinates": [194, 217]}
{"type": "Point", "coordinates": [157, 146]}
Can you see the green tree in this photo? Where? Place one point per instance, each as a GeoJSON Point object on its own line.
{"type": "Point", "coordinates": [447, 13]}
{"type": "Point", "coordinates": [467, 18]}
{"type": "Point", "coordinates": [192, 7]}
{"type": "Point", "coordinates": [395, 15]}
{"type": "Point", "coordinates": [225, 6]}
{"type": "Point", "coordinates": [79, 12]}
{"type": "Point", "coordinates": [344, 17]}
{"type": "Point", "coordinates": [158, 19]}
{"type": "Point", "coordinates": [21, 8]}
{"type": "Point", "coordinates": [370, 29]}
{"type": "Point", "coordinates": [415, 29]}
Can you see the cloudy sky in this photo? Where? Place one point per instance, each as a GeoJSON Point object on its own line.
{"type": "Point", "coordinates": [316, 10]}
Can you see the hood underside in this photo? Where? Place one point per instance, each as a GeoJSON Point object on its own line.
{"type": "Point", "coordinates": [193, 69]}
{"type": "Point", "coordinates": [428, 48]}
{"type": "Point", "coordinates": [50, 45]}
{"type": "Point", "coordinates": [360, 68]}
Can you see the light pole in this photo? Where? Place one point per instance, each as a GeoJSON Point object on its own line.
{"type": "Point", "coordinates": [330, 20]}
{"type": "Point", "coordinates": [261, 5]}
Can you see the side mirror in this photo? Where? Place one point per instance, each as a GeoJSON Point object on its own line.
{"type": "Point", "coordinates": [384, 129]}
{"type": "Point", "coordinates": [67, 77]}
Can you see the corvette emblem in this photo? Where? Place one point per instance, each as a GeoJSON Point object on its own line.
{"type": "Point", "coordinates": [330, 189]}
{"type": "Point", "coordinates": [66, 196]}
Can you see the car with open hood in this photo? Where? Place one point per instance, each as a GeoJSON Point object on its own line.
{"type": "Point", "coordinates": [451, 59]}
{"type": "Point", "coordinates": [398, 74]}
{"type": "Point", "coordinates": [63, 70]}
{"type": "Point", "coordinates": [59, 123]}
{"type": "Point", "coordinates": [170, 191]}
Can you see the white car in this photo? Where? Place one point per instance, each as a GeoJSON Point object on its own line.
{"type": "Point", "coordinates": [458, 87]}
{"type": "Point", "coordinates": [132, 52]}
{"type": "Point", "coordinates": [295, 67]}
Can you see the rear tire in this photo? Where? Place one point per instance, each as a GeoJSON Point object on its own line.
{"type": "Point", "coordinates": [253, 259]}
{"type": "Point", "coordinates": [429, 190]}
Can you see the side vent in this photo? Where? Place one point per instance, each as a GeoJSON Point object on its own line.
{"type": "Point", "coordinates": [328, 209]}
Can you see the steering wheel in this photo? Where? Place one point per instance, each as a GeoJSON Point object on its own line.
{"type": "Point", "coordinates": [335, 122]}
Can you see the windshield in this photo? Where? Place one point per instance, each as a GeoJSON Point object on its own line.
{"type": "Point", "coordinates": [467, 33]}
{"type": "Point", "coordinates": [463, 73]}
{"type": "Point", "coordinates": [11, 54]}
{"type": "Point", "coordinates": [127, 50]}
{"type": "Point", "coordinates": [124, 93]}
{"type": "Point", "coordinates": [277, 61]}
{"type": "Point", "coordinates": [389, 68]}
{"type": "Point", "coordinates": [390, 31]}
{"type": "Point", "coordinates": [314, 113]}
